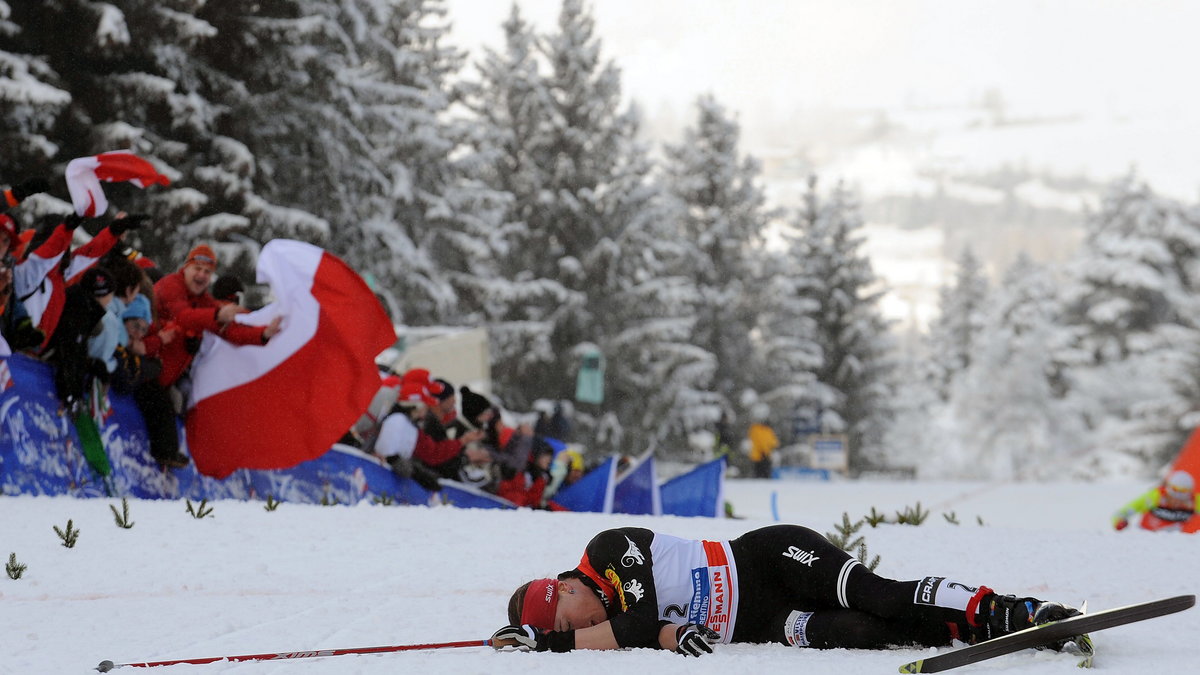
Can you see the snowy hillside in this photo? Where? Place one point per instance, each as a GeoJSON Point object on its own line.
{"type": "Point", "coordinates": [249, 581]}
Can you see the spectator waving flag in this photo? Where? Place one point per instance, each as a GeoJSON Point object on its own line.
{"type": "Point", "coordinates": [276, 405]}
{"type": "Point", "coordinates": [85, 173]}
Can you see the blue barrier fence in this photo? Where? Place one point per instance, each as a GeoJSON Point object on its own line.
{"type": "Point", "coordinates": [41, 454]}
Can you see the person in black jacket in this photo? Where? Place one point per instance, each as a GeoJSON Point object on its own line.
{"type": "Point", "coordinates": [784, 583]}
{"type": "Point", "coordinates": [82, 311]}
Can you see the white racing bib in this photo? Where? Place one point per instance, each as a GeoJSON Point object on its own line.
{"type": "Point", "coordinates": [696, 582]}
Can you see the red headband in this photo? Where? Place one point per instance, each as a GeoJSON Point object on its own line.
{"type": "Point", "coordinates": [541, 599]}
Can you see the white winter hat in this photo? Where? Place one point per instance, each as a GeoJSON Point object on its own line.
{"type": "Point", "coordinates": [1180, 481]}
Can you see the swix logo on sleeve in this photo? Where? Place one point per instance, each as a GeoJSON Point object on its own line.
{"type": "Point", "coordinates": [803, 557]}
{"type": "Point", "coordinates": [633, 555]}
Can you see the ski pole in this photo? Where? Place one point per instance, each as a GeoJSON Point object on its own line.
{"type": "Point", "coordinates": [106, 666]}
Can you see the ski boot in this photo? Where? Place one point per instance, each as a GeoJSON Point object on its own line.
{"type": "Point", "coordinates": [1003, 614]}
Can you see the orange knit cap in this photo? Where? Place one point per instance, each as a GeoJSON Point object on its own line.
{"type": "Point", "coordinates": [203, 256]}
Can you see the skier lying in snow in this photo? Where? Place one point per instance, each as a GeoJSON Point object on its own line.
{"type": "Point", "coordinates": [784, 583]}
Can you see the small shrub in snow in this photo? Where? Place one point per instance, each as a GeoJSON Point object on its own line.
{"type": "Point", "coordinates": [912, 515]}
{"type": "Point", "coordinates": [14, 568]}
{"type": "Point", "coordinates": [122, 517]}
{"type": "Point", "coordinates": [874, 518]}
{"type": "Point", "coordinates": [201, 511]}
{"type": "Point", "coordinates": [857, 545]}
{"type": "Point", "coordinates": [69, 536]}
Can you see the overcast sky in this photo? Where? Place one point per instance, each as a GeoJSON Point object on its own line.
{"type": "Point", "coordinates": [1123, 70]}
{"type": "Point", "coordinates": [1056, 55]}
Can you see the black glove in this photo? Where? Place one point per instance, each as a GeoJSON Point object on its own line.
{"type": "Point", "coordinates": [425, 476]}
{"type": "Point", "coordinates": [29, 187]}
{"type": "Point", "coordinates": [131, 222]}
{"type": "Point", "coordinates": [73, 221]}
{"type": "Point", "coordinates": [25, 335]}
{"type": "Point", "coordinates": [191, 344]}
{"type": "Point", "coordinates": [695, 639]}
{"type": "Point", "coordinates": [98, 369]}
{"type": "Point", "coordinates": [401, 466]}
{"type": "Point", "coordinates": [526, 637]}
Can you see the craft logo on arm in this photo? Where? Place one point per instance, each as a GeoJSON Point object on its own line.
{"type": "Point", "coordinates": [927, 590]}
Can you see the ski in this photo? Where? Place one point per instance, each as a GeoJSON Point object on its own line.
{"type": "Point", "coordinates": [1050, 632]}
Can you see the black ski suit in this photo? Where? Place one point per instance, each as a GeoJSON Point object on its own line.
{"type": "Point", "coordinates": [783, 583]}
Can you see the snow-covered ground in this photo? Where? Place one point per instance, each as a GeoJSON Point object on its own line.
{"type": "Point", "coordinates": [248, 581]}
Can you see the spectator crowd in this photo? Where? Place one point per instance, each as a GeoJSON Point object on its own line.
{"type": "Point", "coordinates": [427, 430]}
{"type": "Point", "coordinates": [105, 316]}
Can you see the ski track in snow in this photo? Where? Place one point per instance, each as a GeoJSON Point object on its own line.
{"type": "Point", "coordinates": [306, 577]}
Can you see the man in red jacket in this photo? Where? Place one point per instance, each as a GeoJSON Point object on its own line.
{"type": "Point", "coordinates": [182, 298]}
{"type": "Point", "coordinates": [182, 302]}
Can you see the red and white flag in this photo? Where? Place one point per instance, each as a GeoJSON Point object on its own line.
{"type": "Point", "coordinates": [85, 173]}
{"type": "Point", "coordinates": [286, 402]}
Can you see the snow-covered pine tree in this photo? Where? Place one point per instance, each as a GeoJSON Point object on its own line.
{"type": "Point", "coordinates": [139, 84]}
{"type": "Point", "coordinates": [584, 136]}
{"type": "Point", "coordinates": [954, 334]}
{"type": "Point", "coordinates": [350, 121]}
{"type": "Point", "coordinates": [1137, 268]}
{"type": "Point", "coordinates": [1133, 307]}
{"type": "Point", "coordinates": [659, 384]}
{"type": "Point", "coordinates": [916, 435]}
{"type": "Point", "coordinates": [512, 101]}
{"type": "Point", "coordinates": [723, 216]}
{"type": "Point", "coordinates": [856, 346]}
{"type": "Point", "coordinates": [785, 337]}
{"type": "Point", "coordinates": [1005, 418]}
{"type": "Point", "coordinates": [580, 207]}
{"type": "Point", "coordinates": [31, 100]}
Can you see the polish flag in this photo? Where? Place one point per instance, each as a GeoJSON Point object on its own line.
{"type": "Point", "coordinates": [286, 402]}
{"type": "Point", "coordinates": [85, 173]}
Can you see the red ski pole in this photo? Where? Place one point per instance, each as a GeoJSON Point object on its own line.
{"type": "Point", "coordinates": [106, 666]}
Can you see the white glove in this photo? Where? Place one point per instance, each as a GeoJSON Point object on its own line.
{"type": "Point", "coordinates": [695, 640]}
{"type": "Point", "coordinates": [520, 636]}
